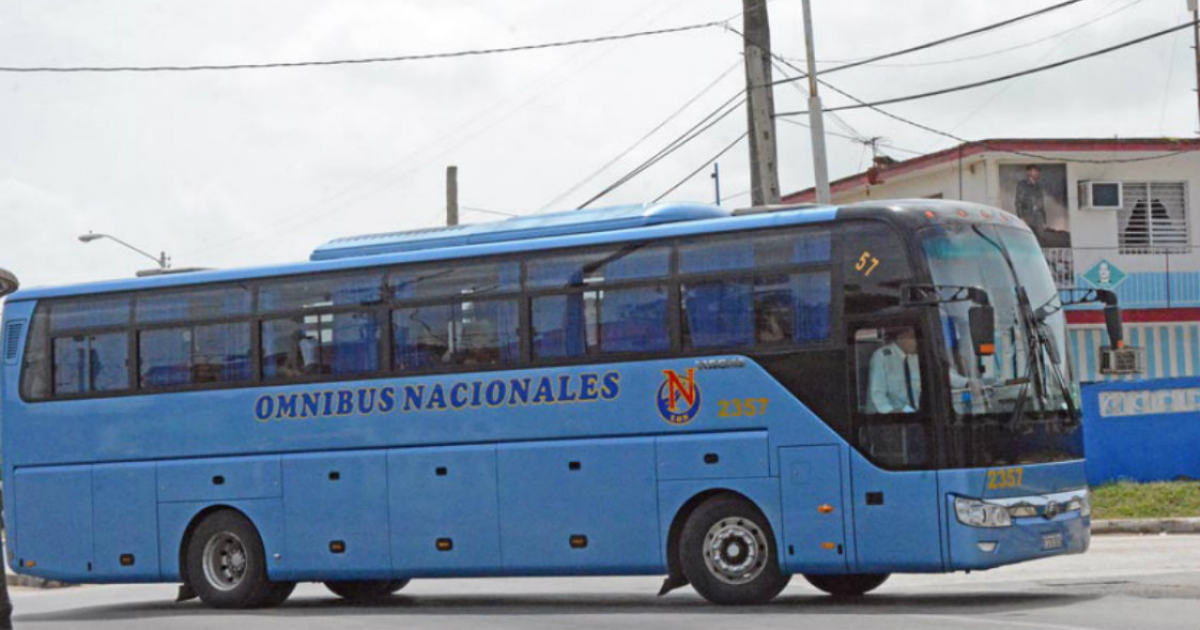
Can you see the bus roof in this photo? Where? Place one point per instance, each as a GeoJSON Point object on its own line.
{"type": "Point", "coordinates": [518, 229]}
{"type": "Point", "coordinates": [551, 231]}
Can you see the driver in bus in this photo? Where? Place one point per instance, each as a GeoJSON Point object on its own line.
{"type": "Point", "coordinates": [895, 376]}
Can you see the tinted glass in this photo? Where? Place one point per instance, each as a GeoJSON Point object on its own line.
{"type": "Point", "coordinates": [421, 336]}
{"type": "Point", "coordinates": [91, 363]}
{"type": "Point", "coordinates": [204, 354]}
{"type": "Point", "coordinates": [466, 333]}
{"type": "Point", "coordinates": [35, 371]}
{"type": "Point", "coordinates": [718, 314]}
{"type": "Point", "coordinates": [341, 343]}
{"type": "Point", "coordinates": [626, 320]}
{"type": "Point", "coordinates": [421, 283]}
{"type": "Point", "coordinates": [768, 310]}
{"type": "Point", "coordinates": [892, 427]}
{"type": "Point", "coordinates": [627, 263]}
{"type": "Point", "coordinates": [634, 320]}
{"type": "Point", "coordinates": [200, 303]}
{"type": "Point", "coordinates": [321, 291]}
{"type": "Point", "coordinates": [755, 249]}
{"type": "Point", "coordinates": [89, 313]}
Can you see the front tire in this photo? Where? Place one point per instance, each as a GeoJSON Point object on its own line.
{"type": "Point", "coordinates": [365, 590]}
{"type": "Point", "coordinates": [727, 552]}
{"type": "Point", "coordinates": [226, 564]}
{"type": "Point", "coordinates": [853, 585]}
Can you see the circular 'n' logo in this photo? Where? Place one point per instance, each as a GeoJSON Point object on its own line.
{"type": "Point", "coordinates": [678, 397]}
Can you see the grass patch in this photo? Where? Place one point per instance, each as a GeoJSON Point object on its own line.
{"type": "Point", "coordinates": [1167, 499]}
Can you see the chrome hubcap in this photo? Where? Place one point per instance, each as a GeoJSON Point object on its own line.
{"type": "Point", "coordinates": [224, 561]}
{"type": "Point", "coordinates": [735, 550]}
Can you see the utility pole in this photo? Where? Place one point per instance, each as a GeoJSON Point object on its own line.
{"type": "Point", "coordinates": [816, 120]}
{"type": "Point", "coordinates": [1194, 7]}
{"type": "Point", "coordinates": [716, 176]}
{"type": "Point", "coordinates": [451, 195]}
{"type": "Point", "coordinates": [760, 104]}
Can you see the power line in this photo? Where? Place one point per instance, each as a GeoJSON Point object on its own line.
{"type": "Point", "coordinates": [672, 148]}
{"type": "Point", "coordinates": [676, 144]}
{"type": "Point", "coordinates": [581, 183]}
{"type": "Point", "coordinates": [1000, 51]}
{"type": "Point", "coordinates": [886, 145]}
{"type": "Point", "coordinates": [703, 166]}
{"type": "Point", "coordinates": [498, 213]}
{"type": "Point", "coordinates": [1007, 77]}
{"type": "Point", "coordinates": [482, 121]}
{"type": "Point", "coordinates": [360, 61]}
{"type": "Point", "coordinates": [1036, 156]}
{"type": "Point", "coordinates": [939, 42]}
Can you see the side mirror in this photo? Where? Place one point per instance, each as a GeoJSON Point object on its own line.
{"type": "Point", "coordinates": [1112, 321]}
{"type": "Point", "coordinates": [982, 320]}
{"type": "Point", "coordinates": [1112, 318]}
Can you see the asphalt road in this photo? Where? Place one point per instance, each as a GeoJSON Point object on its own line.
{"type": "Point", "coordinates": [1123, 582]}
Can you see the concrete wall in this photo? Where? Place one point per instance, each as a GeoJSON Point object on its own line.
{"type": "Point", "coordinates": [1142, 431]}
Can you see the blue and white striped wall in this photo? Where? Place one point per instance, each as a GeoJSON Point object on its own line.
{"type": "Point", "coordinates": [1171, 350]}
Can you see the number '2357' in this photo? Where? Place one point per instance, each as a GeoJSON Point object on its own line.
{"type": "Point", "coordinates": [1005, 478]}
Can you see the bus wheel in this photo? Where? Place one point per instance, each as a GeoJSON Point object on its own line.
{"type": "Point", "coordinates": [227, 567]}
{"type": "Point", "coordinates": [365, 590]}
{"type": "Point", "coordinates": [727, 552]}
{"type": "Point", "coordinates": [853, 585]}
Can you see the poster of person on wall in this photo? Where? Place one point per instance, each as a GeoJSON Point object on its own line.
{"type": "Point", "coordinates": [1038, 194]}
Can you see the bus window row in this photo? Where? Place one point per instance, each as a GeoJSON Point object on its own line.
{"type": "Point", "coordinates": [437, 315]}
{"type": "Point", "coordinates": [728, 314]}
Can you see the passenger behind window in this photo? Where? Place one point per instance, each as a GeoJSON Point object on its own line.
{"type": "Point", "coordinates": [772, 320]}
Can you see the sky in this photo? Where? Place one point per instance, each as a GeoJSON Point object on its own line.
{"type": "Point", "coordinates": [245, 168]}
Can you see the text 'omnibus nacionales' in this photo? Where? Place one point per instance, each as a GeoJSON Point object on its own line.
{"type": "Point", "coordinates": [726, 398]}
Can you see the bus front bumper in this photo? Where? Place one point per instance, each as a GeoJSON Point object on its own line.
{"type": "Point", "coordinates": [993, 532]}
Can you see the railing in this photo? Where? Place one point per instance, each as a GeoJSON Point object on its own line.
{"type": "Point", "coordinates": [1062, 265]}
{"type": "Point", "coordinates": [1155, 277]}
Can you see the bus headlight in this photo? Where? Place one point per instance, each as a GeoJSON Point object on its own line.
{"type": "Point", "coordinates": [978, 513]}
{"type": "Point", "coordinates": [1081, 503]}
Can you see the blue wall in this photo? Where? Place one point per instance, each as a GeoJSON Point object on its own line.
{"type": "Point", "coordinates": [1142, 430]}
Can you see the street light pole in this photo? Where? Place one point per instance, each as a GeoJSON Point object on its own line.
{"type": "Point", "coordinates": [8, 284]}
{"type": "Point", "coordinates": [816, 119]}
{"type": "Point", "coordinates": [160, 260]}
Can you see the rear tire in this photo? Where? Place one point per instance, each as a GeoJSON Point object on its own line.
{"type": "Point", "coordinates": [853, 585]}
{"type": "Point", "coordinates": [727, 552]}
{"type": "Point", "coordinates": [226, 564]}
{"type": "Point", "coordinates": [365, 590]}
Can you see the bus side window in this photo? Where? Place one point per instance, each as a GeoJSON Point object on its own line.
{"type": "Point", "coordinates": [892, 426]}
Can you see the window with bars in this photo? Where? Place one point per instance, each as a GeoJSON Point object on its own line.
{"type": "Point", "coordinates": [1154, 219]}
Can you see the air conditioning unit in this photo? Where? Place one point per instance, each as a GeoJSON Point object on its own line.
{"type": "Point", "coordinates": [1121, 360]}
{"type": "Point", "coordinates": [1100, 195]}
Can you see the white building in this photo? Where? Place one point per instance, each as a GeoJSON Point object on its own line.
{"type": "Point", "coordinates": [1118, 214]}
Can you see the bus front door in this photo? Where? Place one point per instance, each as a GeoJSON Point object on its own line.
{"type": "Point", "coordinates": [814, 519]}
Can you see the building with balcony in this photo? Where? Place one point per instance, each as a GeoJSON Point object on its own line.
{"type": "Point", "coordinates": [1117, 214]}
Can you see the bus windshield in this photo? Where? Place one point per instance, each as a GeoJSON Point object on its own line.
{"type": "Point", "coordinates": [1018, 405]}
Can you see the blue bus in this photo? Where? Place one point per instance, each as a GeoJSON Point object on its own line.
{"type": "Point", "coordinates": [724, 398]}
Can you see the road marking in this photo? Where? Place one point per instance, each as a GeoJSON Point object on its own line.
{"type": "Point", "coordinates": [998, 622]}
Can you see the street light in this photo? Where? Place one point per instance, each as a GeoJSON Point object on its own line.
{"type": "Point", "coordinates": [160, 260]}
{"type": "Point", "coordinates": [8, 282]}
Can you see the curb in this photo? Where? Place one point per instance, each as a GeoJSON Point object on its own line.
{"type": "Point", "coordinates": [1147, 526]}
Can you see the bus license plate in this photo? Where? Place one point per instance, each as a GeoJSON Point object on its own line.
{"type": "Point", "coordinates": [1052, 541]}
